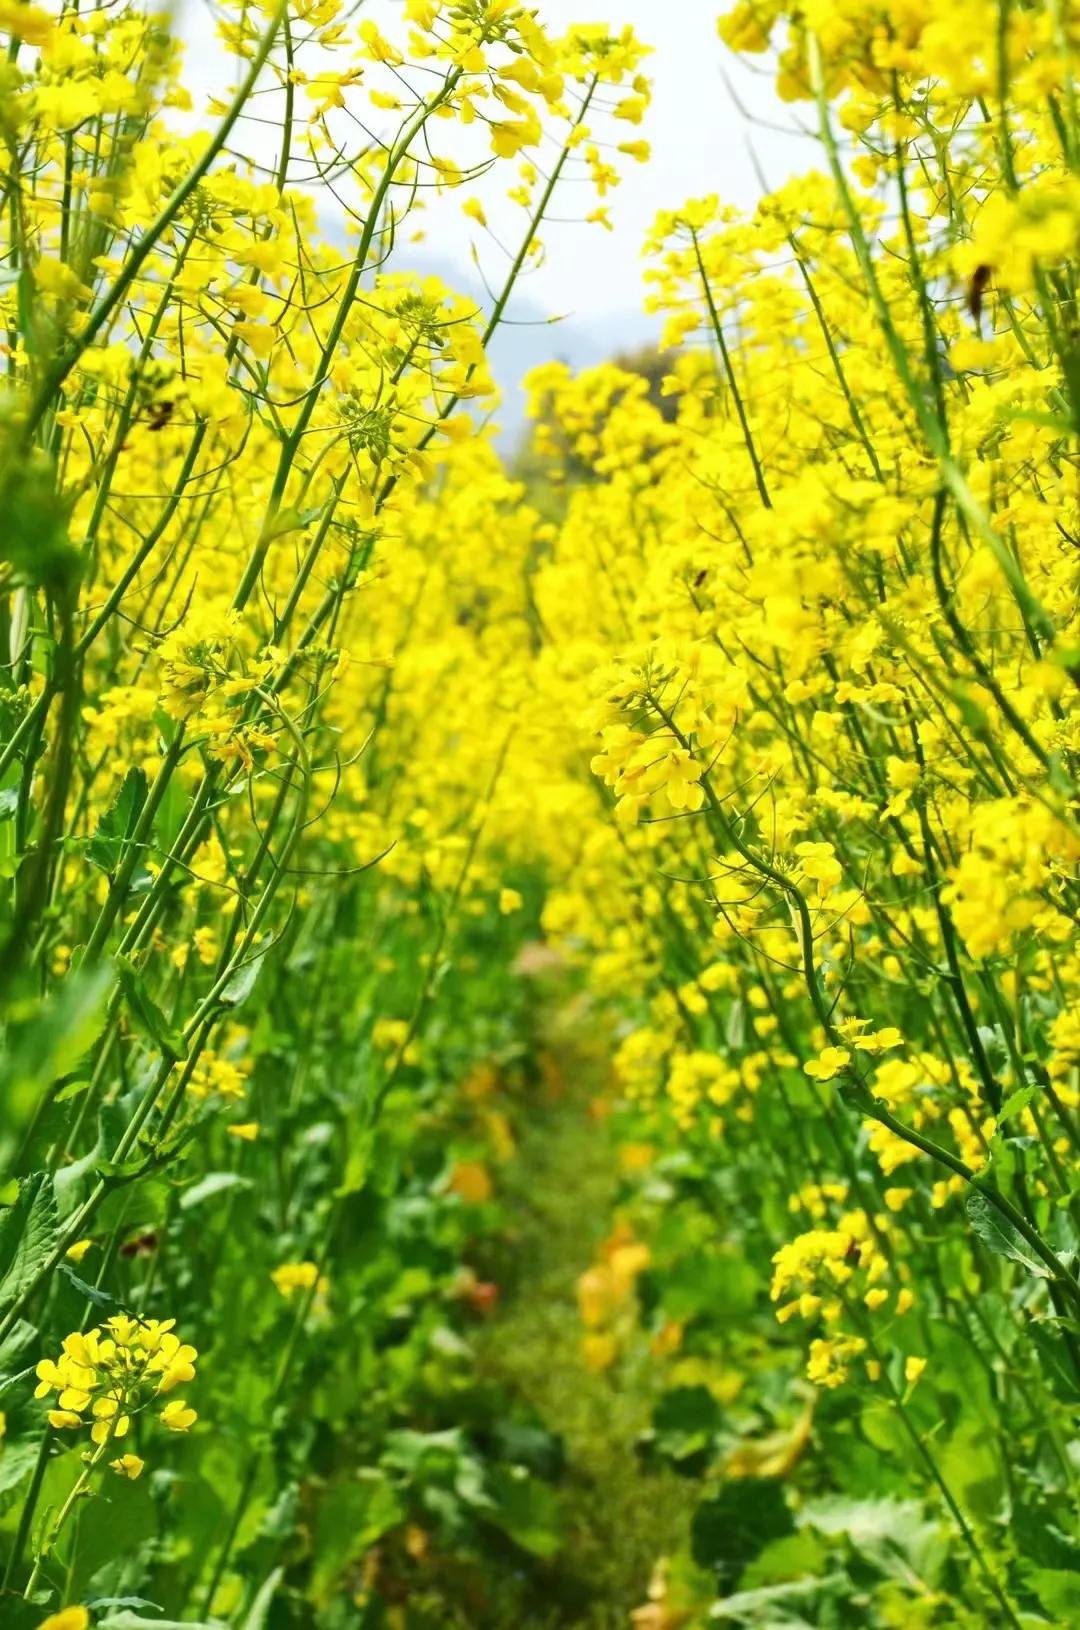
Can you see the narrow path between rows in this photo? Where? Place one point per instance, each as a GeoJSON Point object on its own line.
{"type": "Point", "coordinates": [617, 1517]}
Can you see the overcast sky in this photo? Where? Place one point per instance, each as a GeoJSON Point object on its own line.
{"type": "Point", "coordinates": [701, 135]}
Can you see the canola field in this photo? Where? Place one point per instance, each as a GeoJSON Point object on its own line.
{"type": "Point", "coordinates": [539, 988]}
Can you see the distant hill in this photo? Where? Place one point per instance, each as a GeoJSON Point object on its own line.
{"type": "Point", "coordinates": [529, 336]}
{"type": "Point", "coordinates": [526, 342]}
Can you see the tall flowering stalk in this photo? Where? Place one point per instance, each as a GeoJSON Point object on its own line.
{"type": "Point", "coordinates": [238, 435]}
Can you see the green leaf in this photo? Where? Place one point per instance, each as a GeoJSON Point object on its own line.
{"type": "Point", "coordinates": [34, 537]}
{"type": "Point", "coordinates": [1014, 1103]}
{"type": "Point", "coordinates": [69, 1184]}
{"type": "Point", "coordinates": [1040, 1541]}
{"type": "Point", "coordinates": [28, 1233]}
{"type": "Point", "coordinates": [746, 1606]}
{"type": "Point", "coordinates": [255, 1619]}
{"type": "Point", "coordinates": [794, 1557]}
{"type": "Point", "coordinates": [146, 1013]}
{"type": "Point", "coordinates": [1058, 1592]}
{"type": "Point", "coordinates": [525, 1510]}
{"type": "Point", "coordinates": [735, 1524]}
{"type": "Point", "coordinates": [291, 520]}
{"type": "Point", "coordinates": [358, 1163]}
{"type": "Point", "coordinates": [17, 1461]}
{"type": "Point", "coordinates": [126, 1620]}
{"type": "Point", "coordinates": [98, 1298]}
{"type": "Point", "coordinates": [710, 1284]}
{"type": "Point", "coordinates": [47, 1039]}
{"type": "Point", "coordinates": [21, 1336]}
{"type": "Point", "coordinates": [685, 1422]}
{"type": "Point", "coordinates": [213, 1183]}
{"type": "Point", "coordinates": [239, 986]}
{"type": "Point", "coordinates": [998, 1234]}
{"type": "Point", "coordinates": [894, 1535]}
{"type": "Point", "coordinates": [1048, 421]}
{"type": "Point", "coordinates": [1058, 1372]}
{"type": "Point", "coordinates": [142, 1207]}
{"type": "Point", "coordinates": [98, 1603]}
{"type": "Point", "coordinates": [352, 1517]}
{"type": "Point", "coordinates": [116, 827]}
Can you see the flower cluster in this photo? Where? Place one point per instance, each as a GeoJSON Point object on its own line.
{"type": "Point", "coordinates": [107, 1376]}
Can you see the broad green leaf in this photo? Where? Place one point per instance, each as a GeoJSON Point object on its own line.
{"type": "Point", "coordinates": [48, 1039]}
{"type": "Point", "coordinates": [240, 984]}
{"type": "Point", "coordinates": [1014, 1103]}
{"type": "Point", "coordinates": [747, 1606]}
{"type": "Point", "coordinates": [1059, 1592]}
{"type": "Point", "coordinates": [352, 1517]}
{"type": "Point", "coordinates": [793, 1557]}
{"type": "Point", "coordinates": [116, 826]}
{"type": "Point", "coordinates": [146, 1013]}
{"type": "Point", "coordinates": [139, 1206]}
{"type": "Point", "coordinates": [213, 1183]}
{"type": "Point", "coordinates": [28, 1233]}
{"type": "Point", "coordinates": [19, 1338]}
{"type": "Point", "coordinates": [894, 1535]}
{"type": "Point", "coordinates": [685, 1422]}
{"type": "Point", "coordinates": [9, 1382]}
{"type": "Point", "coordinates": [736, 1522]}
{"type": "Point", "coordinates": [99, 1603]}
{"type": "Point", "coordinates": [711, 1284]}
{"type": "Point", "coordinates": [1058, 1371]}
{"type": "Point", "coordinates": [526, 1510]}
{"type": "Point", "coordinates": [17, 1461]}
{"type": "Point", "coordinates": [126, 1620]}
{"type": "Point", "coordinates": [998, 1234]}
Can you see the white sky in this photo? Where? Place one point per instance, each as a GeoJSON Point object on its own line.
{"type": "Point", "coordinates": [701, 143]}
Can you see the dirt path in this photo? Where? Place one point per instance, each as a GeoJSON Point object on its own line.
{"type": "Point", "coordinates": [617, 1519]}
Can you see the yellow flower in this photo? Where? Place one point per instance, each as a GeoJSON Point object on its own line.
{"type": "Point", "coordinates": [829, 1063]}
{"type": "Point", "coordinates": [55, 278]}
{"type": "Point", "coordinates": [129, 1466]}
{"type": "Point", "coordinates": [471, 1180]}
{"type": "Point", "coordinates": [376, 45]}
{"type": "Point", "coordinates": [292, 1276]}
{"type": "Point", "coordinates": [599, 1350]}
{"type": "Point", "coordinates": [879, 1041]}
{"type": "Point", "coordinates": [32, 24]}
{"type": "Point", "coordinates": [68, 1618]}
{"type": "Point", "coordinates": [830, 1357]}
{"type": "Point", "coordinates": [177, 1416]}
{"type": "Point", "coordinates": [64, 1419]}
{"type": "Point", "coordinates": [106, 1375]}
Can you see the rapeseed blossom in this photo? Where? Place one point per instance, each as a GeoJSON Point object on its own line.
{"type": "Point", "coordinates": [107, 1376]}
